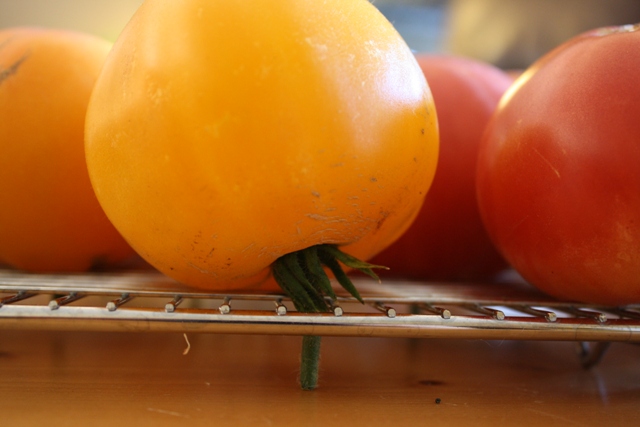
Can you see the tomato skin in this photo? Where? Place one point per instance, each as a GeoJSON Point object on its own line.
{"type": "Point", "coordinates": [284, 125]}
{"type": "Point", "coordinates": [50, 220]}
{"type": "Point", "coordinates": [558, 177]}
{"type": "Point", "coordinates": [447, 241]}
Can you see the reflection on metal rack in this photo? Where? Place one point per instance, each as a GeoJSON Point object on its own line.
{"type": "Point", "coordinates": [144, 301]}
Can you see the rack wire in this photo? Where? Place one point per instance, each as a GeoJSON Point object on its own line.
{"type": "Point", "coordinates": [149, 301]}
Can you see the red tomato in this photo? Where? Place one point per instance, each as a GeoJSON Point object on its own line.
{"type": "Point", "coordinates": [448, 240]}
{"type": "Point", "coordinates": [558, 174]}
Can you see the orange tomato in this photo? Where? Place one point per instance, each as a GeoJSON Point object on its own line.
{"type": "Point", "coordinates": [50, 220]}
{"type": "Point", "coordinates": [223, 135]}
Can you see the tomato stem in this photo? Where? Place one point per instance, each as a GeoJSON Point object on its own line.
{"type": "Point", "coordinates": [310, 362]}
{"type": "Point", "coordinates": [301, 275]}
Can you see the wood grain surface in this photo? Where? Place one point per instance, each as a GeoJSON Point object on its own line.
{"type": "Point", "coordinates": [146, 379]}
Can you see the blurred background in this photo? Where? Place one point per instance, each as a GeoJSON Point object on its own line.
{"type": "Point", "coordinates": [508, 33]}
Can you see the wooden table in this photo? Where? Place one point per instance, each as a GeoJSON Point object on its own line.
{"type": "Point", "coordinates": [50, 378]}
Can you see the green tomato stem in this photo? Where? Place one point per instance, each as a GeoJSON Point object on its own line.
{"type": "Point", "coordinates": [310, 362]}
{"type": "Point", "coordinates": [302, 277]}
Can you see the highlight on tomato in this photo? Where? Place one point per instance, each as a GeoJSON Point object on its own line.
{"type": "Point", "coordinates": [251, 146]}
{"type": "Point", "coordinates": [448, 240]}
{"type": "Point", "coordinates": [558, 177]}
{"type": "Point", "coordinates": [50, 219]}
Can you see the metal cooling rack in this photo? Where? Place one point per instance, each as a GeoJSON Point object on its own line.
{"type": "Point", "coordinates": [149, 301]}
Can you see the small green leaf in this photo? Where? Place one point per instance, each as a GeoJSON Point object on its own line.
{"type": "Point", "coordinates": [290, 284]}
{"type": "Point", "coordinates": [340, 275]}
{"type": "Point", "coordinates": [351, 261]}
{"type": "Point", "coordinates": [316, 273]}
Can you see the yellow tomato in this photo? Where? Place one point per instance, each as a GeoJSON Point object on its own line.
{"type": "Point", "coordinates": [50, 219]}
{"type": "Point", "coordinates": [222, 135]}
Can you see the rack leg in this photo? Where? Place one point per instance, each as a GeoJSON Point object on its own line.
{"type": "Point", "coordinates": [591, 354]}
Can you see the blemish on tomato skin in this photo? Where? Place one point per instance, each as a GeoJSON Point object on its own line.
{"type": "Point", "coordinates": [7, 41]}
{"type": "Point", "coordinates": [99, 263]}
{"type": "Point", "coordinates": [381, 221]}
{"type": "Point", "coordinates": [548, 162]}
{"type": "Point", "coordinates": [326, 219]}
{"type": "Point", "coordinates": [13, 68]}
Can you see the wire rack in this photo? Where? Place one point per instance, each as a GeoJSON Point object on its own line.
{"type": "Point", "coordinates": [149, 301]}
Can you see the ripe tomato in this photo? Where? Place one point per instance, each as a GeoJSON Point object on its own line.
{"type": "Point", "coordinates": [50, 219]}
{"type": "Point", "coordinates": [222, 135]}
{"type": "Point", "coordinates": [448, 241]}
{"type": "Point", "coordinates": [558, 176]}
